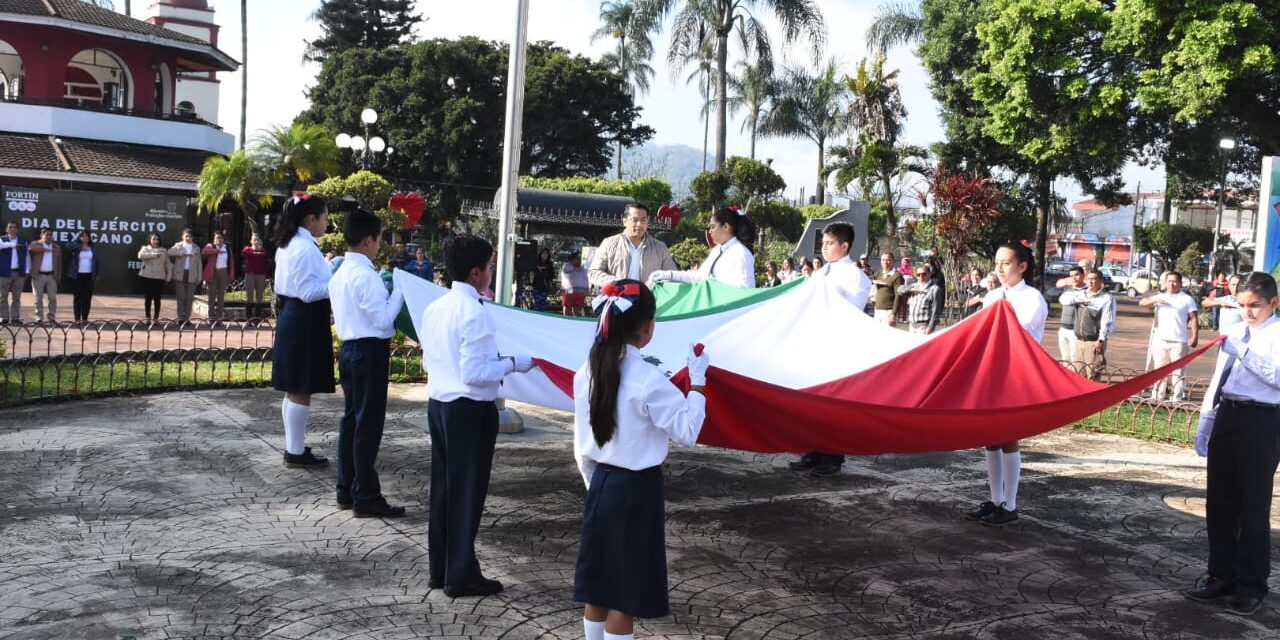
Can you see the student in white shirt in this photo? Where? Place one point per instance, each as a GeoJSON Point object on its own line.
{"type": "Point", "coordinates": [730, 262]}
{"type": "Point", "coordinates": [302, 359]}
{"type": "Point", "coordinates": [626, 412]}
{"type": "Point", "coordinates": [1004, 461]}
{"type": "Point", "coordinates": [1176, 331]}
{"type": "Point", "coordinates": [847, 280]}
{"type": "Point", "coordinates": [1237, 432]}
{"type": "Point", "coordinates": [364, 314]}
{"type": "Point", "coordinates": [460, 352]}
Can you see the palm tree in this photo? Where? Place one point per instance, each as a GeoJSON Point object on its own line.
{"type": "Point", "coordinates": [813, 107]}
{"type": "Point", "coordinates": [244, 69]}
{"type": "Point", "coordinates": [298, 154]}
{"type": "Point", "coordinates": [634, 49]}
{"type": "Point", "coordinates": [796, 19]}
{"type": "Point", "coordinates": [896, 23]}
{"type": "Point", "coordinates": [700, 52]}
{"type": "Point", "coordinates": [237, 176]}
{"type": "Point", "coordinates": [873, 154]}
{"type": "Point", "coordinates": [753, 87]}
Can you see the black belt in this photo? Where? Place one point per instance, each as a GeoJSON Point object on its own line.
{"type": "Point", "coordinates": [1250, 404]}
{"type": "Point", "coordinates": [45, 273]}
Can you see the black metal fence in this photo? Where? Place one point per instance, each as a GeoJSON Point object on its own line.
{"type": "Point", "coordinates": [111, 357]}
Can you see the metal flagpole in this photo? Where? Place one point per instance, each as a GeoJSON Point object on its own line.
{"type": "Point", "coordinates": [511, 157]}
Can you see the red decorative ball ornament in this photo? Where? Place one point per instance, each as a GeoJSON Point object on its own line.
{"type": "Point", "coordinates": [411, 205]}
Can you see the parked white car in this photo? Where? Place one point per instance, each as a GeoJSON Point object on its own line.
{"type": "Point", "coordinates": [1119, 280]}
{"type": "Point", "coordinates": [1140, 282]}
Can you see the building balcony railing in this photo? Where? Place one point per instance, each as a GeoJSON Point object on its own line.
{"type": "Point", "coordinates": [91, 120]}
{"type": "Point", "coordinates": [97, 105]}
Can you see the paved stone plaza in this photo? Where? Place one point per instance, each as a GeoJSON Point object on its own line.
{"type": "Point", "coordinates": [171, 516]}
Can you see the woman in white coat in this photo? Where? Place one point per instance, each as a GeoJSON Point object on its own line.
{"type": "Point", "coordinates": [730, 261]}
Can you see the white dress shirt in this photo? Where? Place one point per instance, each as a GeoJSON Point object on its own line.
{"type": "Point", "coordinates": [651, 413]}
{"type": "Point", "coordinates": [636, 264]}
{"type": "Point", "coordinates": [362, 308]}
{"type": "Point", "coordinates": [221, 261]}
{"type": "Point", "coordinates": [1254, 375]}
{"type": "Point", "coordinates": [189, 249]}
{"type": "Point", "coordinates": [300, 269]}
{"type": "Point", "coordinates": [730, 263]}
{"type": "Point", "coordinates": [848, 280]}
{"type": "Point", "coordinates": [1028, 305]}
{"type": "Point", "coordinates": [46, 257]}
{"type": "Point", "coordinates": [460, 348]}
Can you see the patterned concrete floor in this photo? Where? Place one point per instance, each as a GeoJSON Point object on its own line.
{"type": "Point", "coordinates": [170, 516]}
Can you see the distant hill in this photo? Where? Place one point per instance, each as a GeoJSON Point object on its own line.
{"type": "Point", "coordinates": [678, 164]}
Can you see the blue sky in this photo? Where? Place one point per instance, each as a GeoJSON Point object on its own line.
{"type": "Point", "coordinates": [278, 78]}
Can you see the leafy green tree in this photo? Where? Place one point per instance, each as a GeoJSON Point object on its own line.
{"type": "Point", "coordinates": [297, 154]}
{"type": "Point", "coordinates": [1190, 262]}
{"type": "Point", "coordinates": [693, 19]}
{"type": "Point", "coordinates": [742, 181]}
{"type": "Point", "coordinates": [1205, 59]}
{"type": "Point", "coordinates": [236, 177]}
{"type": "Point", "coordinates": [631, 59]}
{"type": "Point", "coordinates": [371, 192]}
{"type": "Point", "coordinates": [813, 107]}
{"type": "Point", "coordinates": [361, 24]}
{"type": "Point", "coordinates": [817, 211]}
{"type": "Point", "coordinates": [440, 104]}
{"type": "Point", "coordinates": [690, 252]}
{"type": "Point", "coordinates": [1168, 241]}
{"type": "Point", "coordinates": [1052, 95]}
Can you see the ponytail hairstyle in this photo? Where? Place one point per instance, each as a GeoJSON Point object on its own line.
{"type": "Point", "coordinates": [297, 209]}
{"type": "Point", "coordinates": [625, 308]}
{"type": "Point", "coordinates": [1023, 255]}
{"type": "Point", "coordinates": [743, 228]}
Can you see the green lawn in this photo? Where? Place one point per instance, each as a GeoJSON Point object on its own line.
{"type": "Point", "coordinates": [1148, 422]}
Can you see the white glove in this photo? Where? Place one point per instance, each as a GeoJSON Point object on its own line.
{"type": "Point", "coordinates": [659, 276]}
{"type": "Point", "coordinates": [698, 367]}
{"type": "Point", "coordinates": [524, 364]}
{"type": "Point", "coordinates": [1203, 431]}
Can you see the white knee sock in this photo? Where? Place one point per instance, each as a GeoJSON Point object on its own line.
{"type": "Point", "coordinates": [995, 475]}
{"type": "Point", "coordinates": [1012, 472]}
{"type": "Point", "coordinates": [619, 636]}
{"type": "Point", "coordinates": [593, 630]}
{"type": "Point", "coordinates": [295, 426]}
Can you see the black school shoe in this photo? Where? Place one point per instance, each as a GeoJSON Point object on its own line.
{"type": "Point", "coordinates": [1000, 517]}
{"type": "Point", "coordinates": [304, 460]}
{"type": "Point", "coordinates": [485, 587]}
{"type": "Point", "coordinates": [825, 469]}
{"type": "Point", "coordinates": [377, 509]}
{"type": "Point", "coordinates": [1209, 590]}
{"type": "Point", "coordinates": [985, 509]}
{"type": "Point", "coordinates": [805, 463]}
{"type": "Point", "coordinates": [1243, 604]}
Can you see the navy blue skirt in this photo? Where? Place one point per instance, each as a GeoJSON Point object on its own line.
{"type": "Point", "coordinates": [302, 359]}
{"type": "Point", "coordinates": [622, 561]}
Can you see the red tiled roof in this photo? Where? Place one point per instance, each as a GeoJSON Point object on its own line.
{"type": "Point", "coordinates": [109, 159]}
{"type": "Point", "coordinates": [34, 153]}
{"type": "Point", "coordinates": [134, 160]}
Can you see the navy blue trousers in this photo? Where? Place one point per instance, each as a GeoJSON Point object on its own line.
{"type": "Point", "coordinates": [1243, 453]}
{"type": "Point", "coordinates": [463, 434]}
{"type": "Point", "coordinates": [365, 367]}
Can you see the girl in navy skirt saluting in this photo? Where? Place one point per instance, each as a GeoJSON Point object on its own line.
{"type": "Point", "coordinates": [625, 414]}
{"type": "Point", "coordinates": [302, 360]}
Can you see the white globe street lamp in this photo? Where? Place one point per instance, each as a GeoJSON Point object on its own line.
{"type": "Point", "coordinates": [343, 141]}
{"type": "Point", "coordinates": [368, 116]}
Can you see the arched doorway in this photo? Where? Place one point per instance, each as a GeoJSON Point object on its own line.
{"type": "Point", "coordinates": [164, 89]}
{"type": "Point", "coordinates": [10, 72]}
{"type": "Point", "coordinates": [97, 78]}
